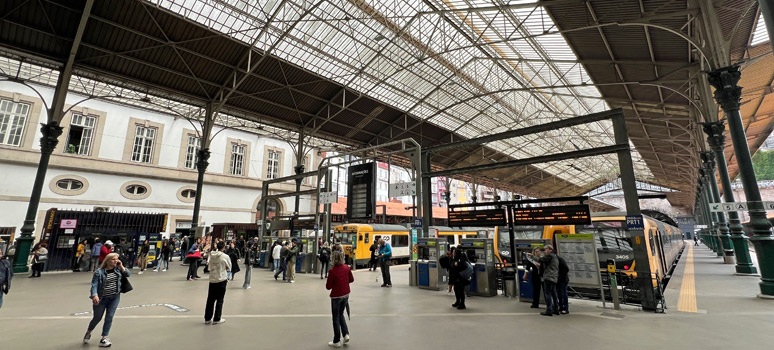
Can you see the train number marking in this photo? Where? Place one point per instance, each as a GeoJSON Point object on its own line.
{"type": "Point", "coordinates": [622, 257]}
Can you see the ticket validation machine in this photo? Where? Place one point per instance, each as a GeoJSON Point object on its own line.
{"type": "Point", "coordinates": [264, 250]}
{"type": "Point", "coordinates": [430, 275]}
{"type": "Point", "coordinates": [484, 281]}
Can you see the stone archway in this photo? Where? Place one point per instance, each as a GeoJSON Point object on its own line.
{"type": "Point", "coordinates": [274, 208]}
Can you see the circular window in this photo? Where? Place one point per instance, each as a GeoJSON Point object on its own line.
{"type": "Point", "coordinates": [135, 190]}
{"type": "Point", "coordinates": [187, 194]}
{"type": "Point", "coordinates": [69, 185]}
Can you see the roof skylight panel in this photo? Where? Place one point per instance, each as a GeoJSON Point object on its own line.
{"type": "Point", "coordinates": [760, 35]}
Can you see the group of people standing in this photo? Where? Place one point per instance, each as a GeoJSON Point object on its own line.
{"type": "Point", "coordinates": [283, 260]}
{"type": "Point", "coordinates": [550, 270]}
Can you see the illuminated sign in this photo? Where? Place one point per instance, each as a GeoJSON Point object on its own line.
{"type": "Point", "coordinates": [361, 201]}
{"type": "Point", "coordinates": [557, 215]}
{"type": "Point", "coordinates": [484, 218]}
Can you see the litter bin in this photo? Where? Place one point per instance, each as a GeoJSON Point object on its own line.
{"type": "Point", "coordinates": [509, 282]}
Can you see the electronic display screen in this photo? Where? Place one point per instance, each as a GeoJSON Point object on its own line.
{"type": "Point", "coordinates": [482, 218]}
{"type": "Point", "coordinates": [556, 215]}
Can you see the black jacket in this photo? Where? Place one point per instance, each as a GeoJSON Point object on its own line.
{"type": "Point", "coordinates": [564, 271]}
{"type": "Point", "coordinates": [458, 264]}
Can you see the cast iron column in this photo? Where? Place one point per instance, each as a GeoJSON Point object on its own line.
{"type": "Point", "coordinates": [201, 167]}
{"type": "Point", "coordinates": [48, 142]}
{"type": "Point", "coordinates": [716, 141]}
{"type": "Point", "coordinates": [728, 95]}
{"type": "Point", "coordinates": [725, 246]}
{"type": "Point", "coordinates": [712, 217]}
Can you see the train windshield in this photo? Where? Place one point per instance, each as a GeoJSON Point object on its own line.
{"type": "Point", "coordinates": [344, 237]}
{"type": "Point", "coordinates": [609, 235]}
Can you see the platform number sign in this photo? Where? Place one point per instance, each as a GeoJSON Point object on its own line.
{"type": "Point", "coordinates": [634, 222]}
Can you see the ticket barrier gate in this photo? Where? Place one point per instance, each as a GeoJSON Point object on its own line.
{"type": "Point", "coordinates": [484, 280]}
{"type": "Point", "coordinates": [264, 250]}
{"type": "Point", "coordinates": [430, 275]}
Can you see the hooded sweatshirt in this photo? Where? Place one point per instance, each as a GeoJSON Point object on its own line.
{"type": "Point", "coordinates": [218, 263]}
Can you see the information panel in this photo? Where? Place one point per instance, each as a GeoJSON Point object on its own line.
{"type": "Point", "coordinates": [483, 218]}
{"type": "Point", "coordinates": [580, 253]}
{"type": "Point", "coordinates": [556, 215]}
{"type": "Point", "coordinates": [361, 194]}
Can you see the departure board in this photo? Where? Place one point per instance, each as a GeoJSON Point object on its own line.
{"type": "Point", "coordinates": [556, 215]}
{"type": "Point", "coordinates": [483, 218]}
{"type": "Point", "coordinates": [361, 201]}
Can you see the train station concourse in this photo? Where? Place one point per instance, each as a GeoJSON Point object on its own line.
{"type": "Point", "coordinates": [586, 174]}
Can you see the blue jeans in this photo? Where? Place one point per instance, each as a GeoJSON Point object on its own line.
{"type": "Point", "coordinates": [552, 302]}
{"type": "Point", "coordinates": [276, 265]}
{"type": "Point", "coordinates": [564, 304]}
{"type": "Point", "coordinates": [338, 306]}
{"type": "Point", "coordinates": [107, 303]}
{"type": "Point", "coordinates": [1, 298]}
{"type": "Point", "coordinates": [282, 268]}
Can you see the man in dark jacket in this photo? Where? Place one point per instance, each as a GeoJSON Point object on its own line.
{"type": "Point", "coordinates": [534, 275]}
{"type": "Point", "coordinates": [283, 262]}
{"type": "Point", "coordinates": [550, 263]}
{"type": "Point", "coordinates": [374, 252]}
{"type": "Point", "coordinates": [561, 285]}
{"type": "Point", "coordinates": [458, 265]}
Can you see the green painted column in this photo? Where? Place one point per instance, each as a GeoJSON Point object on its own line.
{"type": "Point", "coordinates": [728, 95]}
{"type": "Point", "coordinates": [51, 132]}
{"type": "Point", "coordinates": [725, 247]}
{"type": "Point", "coordinates": [712, 217]}
{"type": "Point", "coordinates": [716, 141]}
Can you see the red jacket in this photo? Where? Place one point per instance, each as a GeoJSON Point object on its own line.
{"type": "Point", "coordinates": [103, 253]}
{"type": "Point", "coordinates": [339, 278]}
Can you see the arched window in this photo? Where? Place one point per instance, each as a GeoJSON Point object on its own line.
{"type": "Point", "coordinates": [136, 189]}
{"type": "Point", "coordinates": [272, 208]}
{"type": "Point", "coordinates": [188, 193]}
{"type": "Point", "coordinates": [69, 184]}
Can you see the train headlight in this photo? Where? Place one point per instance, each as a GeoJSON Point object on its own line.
{"type": "Point", "coordinates": [626, 267]}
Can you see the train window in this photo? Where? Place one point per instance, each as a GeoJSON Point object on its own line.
{"type": "Point", "coordinates": [399, 241]}
{"type": "Point", "coordinates": [652, 243]}
{"type": "Point", "coordinates": [360, 238]}
{"type": "Point", "coordinates": [367, 238]}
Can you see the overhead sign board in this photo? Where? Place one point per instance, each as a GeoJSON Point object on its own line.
{"type": "Point", "coordinates": [68, 223]}
{"type": "Point", "coordinates": [361, 194]}
{"type": "Point", "coordinates": [403, 189]}
{"type": "Point", "coordinates": [634, 222]}
{"type": "Point", "coordinates": [735, 206]}
{"type": "Point", "coordinates": [417, 223]}
{"type": "Point", "coordinates": [482, 218]}
{"type": "Point", "coordinates": [555, 215]}
{"type": "Point", "coordinates": [329, 197]}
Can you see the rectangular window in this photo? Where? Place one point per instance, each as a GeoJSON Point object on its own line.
{"type": "Point", "coordinates": [13, 119]}
{"type": "Point", "coordinates": [237, 159]}
{"type": "Point", "coordinates": [80, 135]}
{"type": "Point", "coordinates": [143, 144]}
{"type": "Point", "coordinates": [192, 152]}
{"type": "Point", "coordinates": [272, 169]}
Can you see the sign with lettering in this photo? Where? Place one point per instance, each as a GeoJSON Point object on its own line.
{"type": "Point", "coordinates": [403, 189]}
{"type": "Point", "coordinates": [68, 223]}
{"type": "Point", "coordinates": [734, 206]}
{"type": "Point", "coordinates": [634, 222]}
{"type": "Point", "coordinates": [361, 200]}
{"type": "Point", "coordinates": [482, 218]}
{"type": "Point", "coordinates": [329, 197]}
{"type": "Point", "coordinates": [554, 215]}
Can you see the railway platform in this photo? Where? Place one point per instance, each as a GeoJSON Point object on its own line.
{"type": "Point", "coordinates": [708, 308]}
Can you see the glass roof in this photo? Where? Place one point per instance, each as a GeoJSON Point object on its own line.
{"type": "Point", "coordinates": [760, 35]}
{"type": "Point", "coordinates": [469, 66]}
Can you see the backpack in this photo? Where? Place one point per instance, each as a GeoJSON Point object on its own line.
{"type": "Point", "coordinates": [324, 255]}
{"type": "Point", "coordinates": [467, 273]}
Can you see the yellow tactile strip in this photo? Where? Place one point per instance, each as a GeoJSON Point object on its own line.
{"type": "Point", "coordinates": [687, 300]}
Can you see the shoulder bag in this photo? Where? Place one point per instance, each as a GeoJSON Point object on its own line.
{"type": "Point", "coordinates": [125, 285]}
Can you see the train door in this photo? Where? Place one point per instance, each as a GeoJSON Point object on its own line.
{"type": "Point", "coordinates": [662, 257]}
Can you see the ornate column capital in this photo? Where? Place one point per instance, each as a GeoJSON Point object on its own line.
{"type": "Point", "coordinates": [299, 169]}
{"type": "Point", "coordinates": [204, 157]}
{"type": "Point", "coordinates": [709, 161]}
{"type": "Point", "coordinates": [727, 92]}
{"type": "Point", "coordinates": [50, 139]}
{"type": "Point", "coordinates": [715, 137]}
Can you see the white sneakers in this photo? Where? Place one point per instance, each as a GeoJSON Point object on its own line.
{"type": "Point", "coordinates": [207, 322]}
{"type": "Point", "coordinates": [346, 338]}
{"type": "Point", "coordinates": [86, 338]}
{"type": "Point", "coordinates": [334, 345]}
{"type": "Point", "coordinates": [105, 343]}
{"type": "Point", "coordinates": [164, 270]}
{"type": "Point", "coordinates": [222, 320]}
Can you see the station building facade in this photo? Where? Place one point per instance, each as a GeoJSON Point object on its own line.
{"type": "Point", "coordinates": [116, 157]}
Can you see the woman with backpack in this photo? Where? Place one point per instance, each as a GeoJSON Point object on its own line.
{"type": "Point", "coordinates": [325, 258]}
{"type": "Point", "coordinates": [460, 268]}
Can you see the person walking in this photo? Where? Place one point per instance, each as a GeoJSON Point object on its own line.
{"type": "Point", "coordinates": [283, 262]}
{"type": "Point", "coordinates": [459, 263]}
{"type": "Point", "coordinates": [385, 259]}
{"type": "Point", "coordinates": [291, 258]}
{"type": "Point", "coordinates": [325, 258]}
{"type": "Point", "coordinates": [106, 249]}
{"type": "Point", "coordinates": [162, 258]}
{"type": "Point", "coordinates": [251, 249]}
{"type": "Point", "coordinates": [695, 241]}
{"type": "Point", "coordinates": [6, 274]}
{"type": "Point", "coordinates": [39, 258]}
{"type": "Point", "coordinates": [96, 248]}
{"type": "Point", "coordinates": [276, 248]}
{"type": "Point", "coordinates": [142, 258]}
{"type": "Point", "coordinates": [219, 265]}
{"type": "Point", "coordinates": [533, 272]}
{"type": "Point", "coordinates": [235, 256]}
{"type": "Point", "coordinates": [193, 256]}
{"type": "Point", "coordinates": [338, 282]}
{"type": "Point", "coordinates": [374, 248]}
{"type": "Point", "coordinates": [79, 252]}
{"type": "Point", "coordinates": [105, 296]}
{"type": "Point", "coordinates": [184, 248]}
{"type": "Point", "coordinates": [561, 285]}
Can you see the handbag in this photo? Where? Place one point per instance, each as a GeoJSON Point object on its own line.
{"type": "Point", "coordinates": [41, 258]}
{"type": "Point", "coordinates": [125, 285]}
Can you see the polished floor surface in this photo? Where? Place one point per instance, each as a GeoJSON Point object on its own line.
{"type": "Point", "coordinates": [165, 311]}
